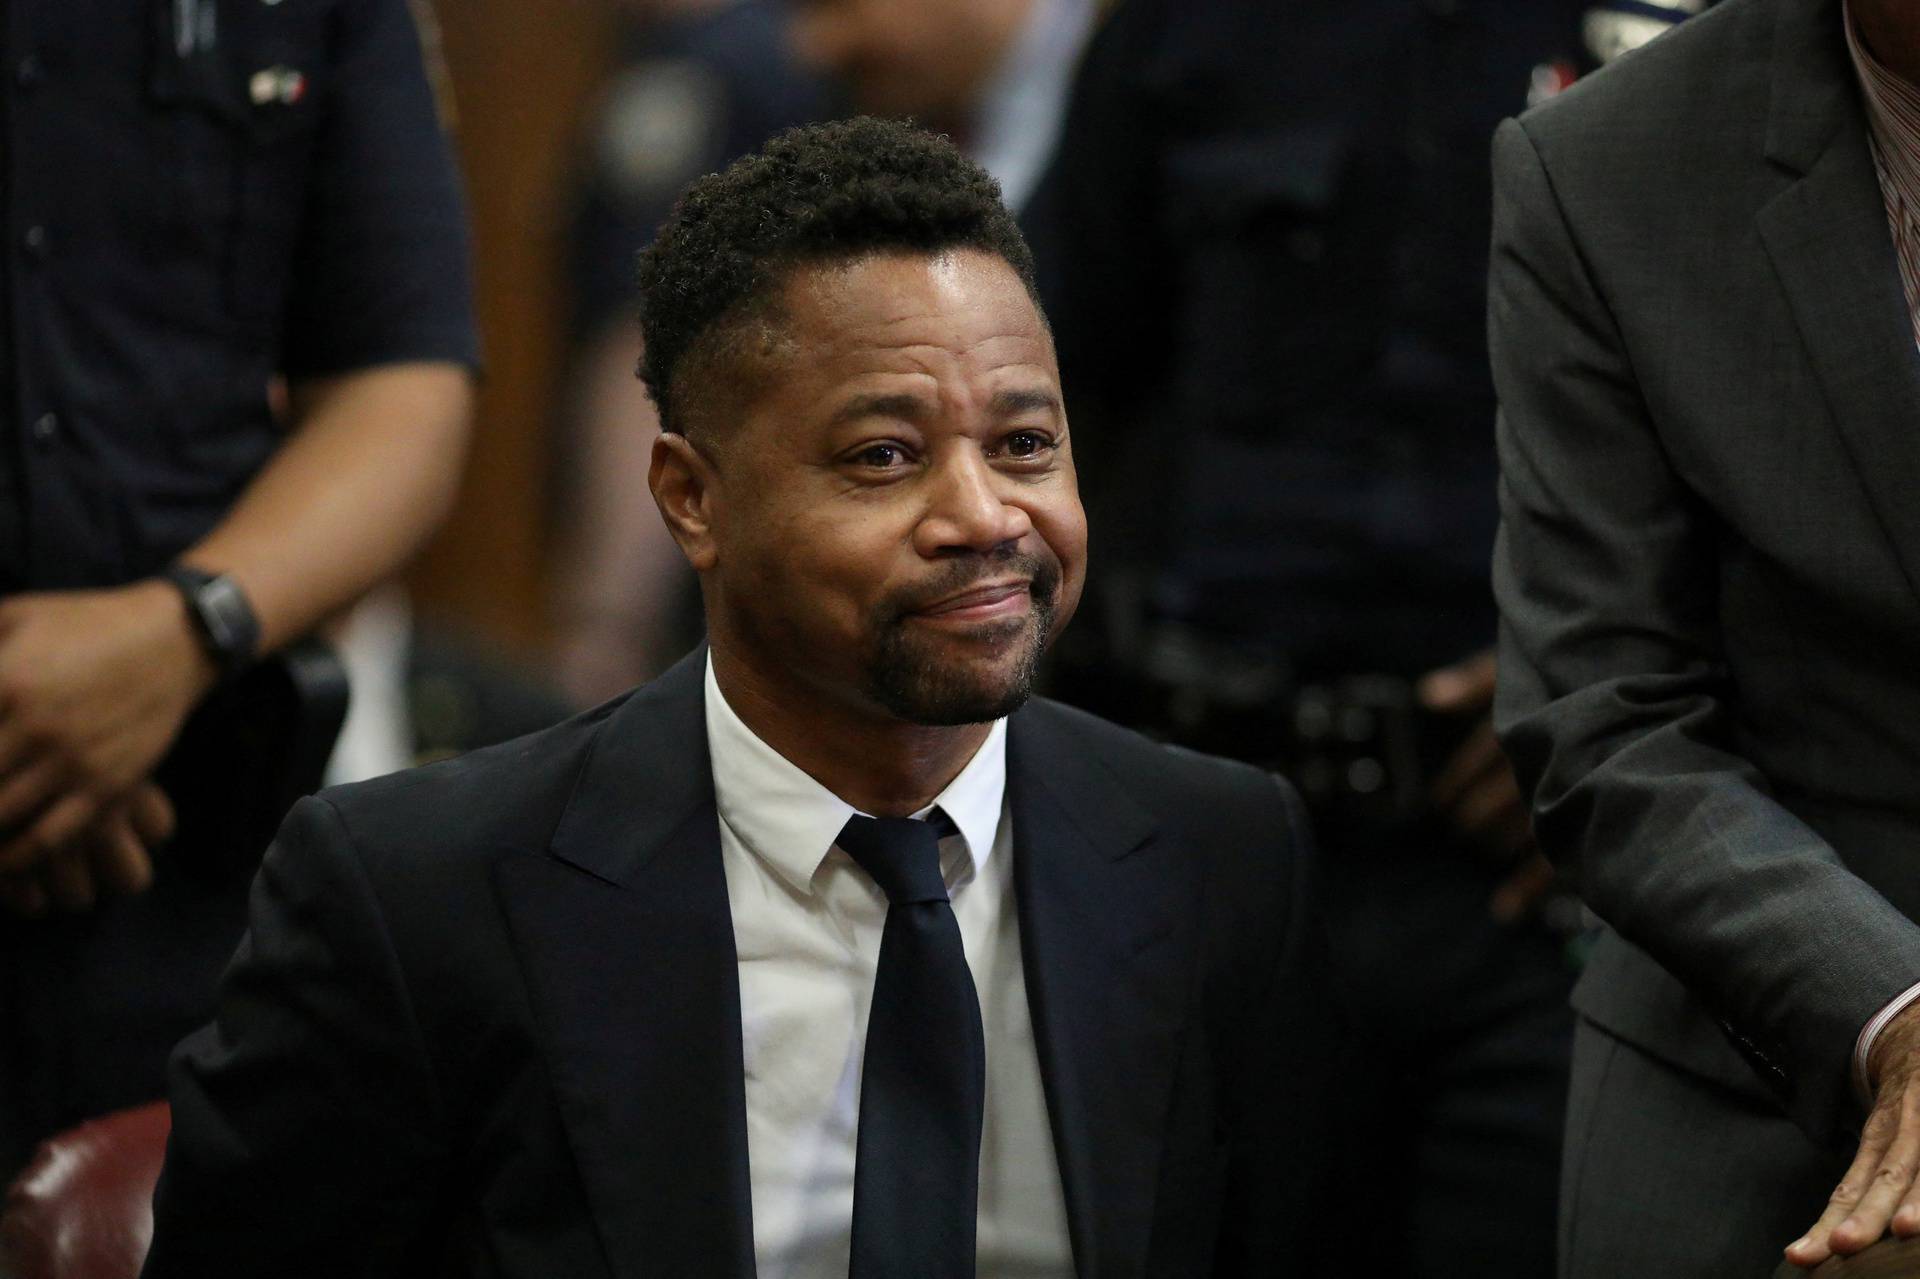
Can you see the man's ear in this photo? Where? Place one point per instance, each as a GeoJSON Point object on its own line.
{"type": "Point", "coordinates": [683, 484]}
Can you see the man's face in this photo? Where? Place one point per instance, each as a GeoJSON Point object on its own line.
{"type": "Point", "coordinates": [894, 523]}
{"type": "Point", "coordinates": [925, 58]}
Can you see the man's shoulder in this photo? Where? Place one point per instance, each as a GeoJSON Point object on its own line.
{"type": "Point", "coordinates": [1679, 92]}
{"type": "Point", "coordinates": [508, 795]}
{"type": "Point", "coordinates": [1233, 834]}
{"type": "Point", "coordinates": [1168, 780]}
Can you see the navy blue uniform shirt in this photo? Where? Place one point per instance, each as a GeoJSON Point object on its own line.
{"type": "Point", "coordinates": [692, 95]}
{"type": "Point", "coordinates": [196, 195]}
{"type": "Point", "coordinates": [1266, 270]}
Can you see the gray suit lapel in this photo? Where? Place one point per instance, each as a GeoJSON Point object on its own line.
{"type": "Point", "coordinates": [626, 939]}
{"type": "Point", "coordinates": [1105, 934]}
{"type": "Point", "coordinates": [1828, 239]}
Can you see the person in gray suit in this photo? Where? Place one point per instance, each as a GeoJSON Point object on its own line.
{"type": "Point", "coordinates": [1704, 339]}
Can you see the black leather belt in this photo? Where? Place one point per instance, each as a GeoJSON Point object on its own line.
{"type": "Point", "coordinates": [1359, 746]}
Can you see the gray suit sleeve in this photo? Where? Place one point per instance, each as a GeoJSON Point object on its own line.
{"type": "Point", "coordinates": [303, 1116]}
{"type": "Point", "coordinates": [1615, 695]}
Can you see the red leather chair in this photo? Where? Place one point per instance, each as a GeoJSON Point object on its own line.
{"type": "Point", "coordinates": [83, 1209]}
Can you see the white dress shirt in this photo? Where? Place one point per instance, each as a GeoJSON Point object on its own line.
{"type": "Point", "coordinates": [807, 925]}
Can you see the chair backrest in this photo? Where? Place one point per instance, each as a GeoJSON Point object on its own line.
{"type": "Point", "coordinates": [83, 1209]}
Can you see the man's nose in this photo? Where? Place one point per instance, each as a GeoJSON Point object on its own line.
{"type": "Point", "coordinates": [970, 507]}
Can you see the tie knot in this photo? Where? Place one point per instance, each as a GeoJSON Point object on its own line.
{"type": "Point", "coordinates": [900, 853]}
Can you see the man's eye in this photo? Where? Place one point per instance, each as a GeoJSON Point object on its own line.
{"type": "Point", "coordinates": [1027, 444]}
{"type": "Point", "coordinates": [880, 456]}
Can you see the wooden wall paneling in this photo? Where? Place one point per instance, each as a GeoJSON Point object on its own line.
{"type": "Point", "coordinates": [521, 73]}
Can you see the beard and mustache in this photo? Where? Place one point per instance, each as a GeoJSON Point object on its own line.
{"type": "Point", "coordinates": [912, 678]}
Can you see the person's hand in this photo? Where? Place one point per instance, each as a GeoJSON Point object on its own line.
{"type": "Point", "coordinates": [94, 686]}
{"type": "Point", "coordinates": [1476, 792]}
{"type": "Point", "coordinates": [1879, 1188]}
{"type": "Point", "coordinates": [114, 856]}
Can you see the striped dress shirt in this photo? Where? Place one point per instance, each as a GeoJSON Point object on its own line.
{"type": "Point", "coordinates": [1893, 118]}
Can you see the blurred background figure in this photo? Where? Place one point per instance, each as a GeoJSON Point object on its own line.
{"type": "Point", "coordinates": [991, 74]}
{"type": "Point", "coordinates": [1612, 28]}
{"type": "Point", "coordinates": [201, 198]}
{"type": "Point", "coordinates": [424, 692]}
{"type": "Point", "coordinates": [712, 79]}
{"type": "Point", "coordinates": [700, 82]}
{"type": "Point", "coordinates": [1265, 244]}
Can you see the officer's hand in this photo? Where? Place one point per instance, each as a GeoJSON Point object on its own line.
{"type": "Point", "coordinates": [1476, 791]}
{"type": "Point", "coordinates": [94, 685]}
{"type": "Point", "coordinates": [1879, 1188]}
{"type": "Point", "coordinates": [113, 857]}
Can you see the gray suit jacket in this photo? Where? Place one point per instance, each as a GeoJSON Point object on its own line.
{"type": "Point", "coordinates": [1709, 569]}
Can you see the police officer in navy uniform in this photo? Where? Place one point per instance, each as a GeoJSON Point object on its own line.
{"type": "Point", "coordinates": [200, 200]}
{"type": "Point", "coordinates": [700, 83]}
{"type": "Point", "coordinates": [1265, 241]}
{"type": "Point", "coordinates": [694, 91]}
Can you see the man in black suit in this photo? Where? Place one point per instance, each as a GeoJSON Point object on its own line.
{"type": "Point", "coordinates": [1704, 317]}
{"type": "Point", "coordinates": [679, 987]}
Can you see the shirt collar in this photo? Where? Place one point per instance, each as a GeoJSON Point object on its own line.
{"type": "Point", "coordinates": [789, 821]}
{"type": "Point", "coordinates": [1893, 114]}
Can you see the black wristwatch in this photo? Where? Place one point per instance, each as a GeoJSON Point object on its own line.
{"type": "Point", "coordinates": [222, 615]}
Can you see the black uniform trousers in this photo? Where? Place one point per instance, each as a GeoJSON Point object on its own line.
{"type": "Point", "coordinates": [1455, 1130]}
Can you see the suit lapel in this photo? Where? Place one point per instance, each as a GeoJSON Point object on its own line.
{"type": "Point", "coordinates": [1104, 919]}
{"type": "Point", "coordinates": [1831, 248]}
{"type": "Point", "coordinates": [626, 939]}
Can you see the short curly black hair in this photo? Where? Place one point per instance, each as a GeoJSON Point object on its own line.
{"type": "Point", "coordinates": [820, 193]}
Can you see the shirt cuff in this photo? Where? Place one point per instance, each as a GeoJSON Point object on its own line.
{"type": "Point", "coordinates": [1863, 1047]}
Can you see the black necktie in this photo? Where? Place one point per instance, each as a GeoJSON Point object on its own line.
{"type": "Point", "coordinates": [916, 1175]}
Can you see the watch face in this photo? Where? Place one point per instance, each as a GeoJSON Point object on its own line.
{"type": "Point", "coordinates": [218, 598]}
{"type": "Point", "coordinates": [228, 619]}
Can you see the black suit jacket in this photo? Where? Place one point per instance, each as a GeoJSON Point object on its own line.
{"type": "Point", "coordinates": [1709, 569]}
{"type": "Point", "coordinates": [488, 1013]}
